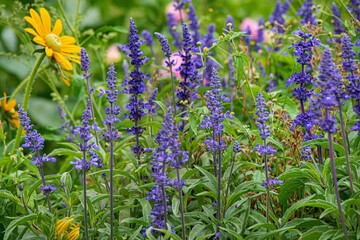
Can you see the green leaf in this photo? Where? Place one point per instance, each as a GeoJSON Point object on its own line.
{"type": "Point", "coordinates": [324, 143]}
{"type": "Point", "coordinates": [20, 221]}
{"type": "Point", "coordinates": [288, 188]}
{"type": "Point", "coordinates": [196, 230]}
{"type": "Point", "coordinates": [210, 177]}
{"type": "Point", "coordinates": [162, 106]}
{"type": "Point", "coordinates": [232, 232]}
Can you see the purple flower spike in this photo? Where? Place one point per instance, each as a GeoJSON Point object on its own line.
{"type": "Point", "coordinates": [306, 11]}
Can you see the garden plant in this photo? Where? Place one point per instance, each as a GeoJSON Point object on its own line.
{"type": "Point", "coordinates": [184, 119]}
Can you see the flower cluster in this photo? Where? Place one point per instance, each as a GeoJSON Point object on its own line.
{"type": "Point", "coordinates": [304, 80]}
{"type": "Point", "coordinates": [262, 117]}
{"type": "Point", "coordinates": [135, 86]}
{"type": "Point", "coordinates": [329, 95]}
{"type": "Point", "coordinates": [207, 42]}
{"type": "Point", "coordinates": [148, 38]}
{"type": "Point", "coordinates": [194, 25]}
{"type": "Point", "coordinates": [172, 29]}
{"type": "Point", "coordinates": [84, 131]}
{"type": "Point", "coordinates": [338, 26]}
{"type": "Point", "coordinates": [350, 66]}
{"type": "Point", "coordinates": [260, 34]}
{"type": "Point", "coordinates": [35, 143]}
{"type": "Point", "coordinates": [187, 87]}
{"type": "Point", "coordinates": [236, 147]}
{"type": "Point", "coordinates": [216, 116]}
{"type": "Point", "coordinates": [276, 18]}
{"type": "Point", "coordinates": [271, 183]}
{"type": "Point", "coordinates": [354, 8]}
{"type": "Point", "coordinates": [112, 112]}
{"type": "Point", "coordinates": [165, 47]}
{"type": "Point", "coordinates": [167, 152]}
{"type": "Point", "coordinates": [306, 11]}
{"type": "Point", "coordinates": [151, 105]}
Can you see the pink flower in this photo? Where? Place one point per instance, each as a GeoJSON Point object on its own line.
{"type": "Point", "coordinates": [113, 55]}
{"type": "Point", "coordinates": [253, 25]}
{"type": "Point", "coordinates": [171, 9]}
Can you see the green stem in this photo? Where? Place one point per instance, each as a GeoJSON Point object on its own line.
{"type": "Point", "coordinates": [18, 88]}
{"type": "Point", "coordinates": [27, 97]}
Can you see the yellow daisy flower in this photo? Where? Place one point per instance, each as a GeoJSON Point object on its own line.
{"type": "Point", "coordinates": [62, 227]}
{"type": "Point", "coordinates": [8, 110]}
{"type": "Point", "coordinates": [62, 48]}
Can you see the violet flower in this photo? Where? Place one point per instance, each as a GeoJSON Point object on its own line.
{"type": "Point", "coordinates": [306, 11]}
{"type": "Point", "coordinates": [85, 67]}
{"type": "Point", "coordinates": [194, 25]}
{"type": "Point", "coordinates": [150, 42]}
{"type": "Point", "coordinates": [304, 80]}
{"type": "Point", "coordinates": [186, 92]}
{"type": "Point", "coordinates": [338, 26]}
{"type": "Point", "coordinates": [213, 121]}
{"type": "Point", "coordinates": [87, 146]}
{"type": "Point", "coordinates": [265, 150]}
{"type": "Point", "coordinates": [165, 47]}
{"type": "Point", "coordinates": [277, 17]}
{"type": "Point", "coordinates": [327, 100]}
{"type": "Point", "coordinates": [354, 8]}
{"type": "Point", "coordinates": [35, 143]}
{"type": "Point", "coordinates": [350, 67]}
{"type": "Point", "coordinates": [207, 41]}
{"type": "Point", "coordinates": [134, 86]}
{"type": "Point", "coordinates": [172, 29]}
{"type": "Point", "coordinates": [260, 34]}
{"type": "Point", "coordinates": [151, 106]}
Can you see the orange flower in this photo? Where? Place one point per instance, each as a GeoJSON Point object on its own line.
{"type": "Point", "coordinates": [61, 49]}
{"type": "Point", "coordinates": [9, 111]}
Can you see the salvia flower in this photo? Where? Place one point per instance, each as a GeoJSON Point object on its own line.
{"type": "Point", "coordinates": [276, 17]}
{"type": "Point", "coordinates": [216, 116]}
{"type": "Point", "coordinates": [172, 28]}
{"type": "Point", "coordinates": [87, 145]}
{"type": "Point", "coordinates": [262, 116]}
{"type": "Point", "coordinates": [165, 46]}
{"type": "Point", "coordinates": [260, 34]}
{"type": "Point", "coordinates": [151, 105]}
{"type": "Point", "coordinates": [134, 86]}
{"type": "Point", "coordinates": [338, 26]}
{"type": "Point", "coordinates": [48, 189]}
{"type": "Point", "coordinates": [350, 66]}
{"type": "Point", "coordinates": [286, 6]}
{"type": "Point", "coordinates": [271, 183]}
{"type": "Point", "coordinates": [112, 111]}
{"type": "Point", "coordinates": [194, 25]}
{"type": "Point", "coordinates": [148, 38]}
{"type": "Point", "coordinates": [187, 87]}
{"type": "Point", "coordinates": [229, 23]}
{"type": "Point", "coordinates": [306, 11]}
{"type": "Point", "coordinates": [354, 8]}
{"type": "Point", "coordinates": [35, 143]}
{"type": "Point", "coordinates": [236, 147]}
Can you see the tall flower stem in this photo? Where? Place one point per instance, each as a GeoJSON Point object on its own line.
{"type": "Point", "coordinates": [111, 189]}
{"type": "Point", "coordinates": [317, 169]}
{"type": "Point", "coordinates": [44, 184]}
{"type": "Point", "coordinates": [333, 170]}
{"type": "Point", "coordinates": [85, 202]}
{"type": "Point", "coordinates": [92, 109]}
{"type": "Point", "coordinates": [219, 188]}
{"type": "Point", "coordinates": [164, 195]}
{"type": "Point", "coordinates": [27, 97]}
{"type": "Point", "coordinates": [343, 134]}
{"type": "Point", "coordinates": [155, 58]}
{"type": "Point", "coordinates": [268, 186]}
{"type": "Point", "coordinates": [181, 208]}
{"type": "Point", "coordinates": [214, 155]}
{"type": "Point", "coordinates": [228, 184]}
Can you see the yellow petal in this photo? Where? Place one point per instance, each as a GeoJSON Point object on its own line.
{"type": "Point", "coordinates": [71, 49]}
{"type": "Point", "coordinates": [76, 61]}
{"type": "Point", "coordinates": [34, 24]}
{"type": "Point", "coordinates": [65, 81]}
{"type": "Point", "coordinates": [40, 41]}
{"type": "Point", "coordinates": [16, 122]}
{"type": "Point", "coordinates": [15, 115]}
{"type": "Point", "coordinates": [32, 31]}
{"type": "Point", "coordinates": [49, 52]}
{"type": "Point", "coordinates": [67, 40]}
{"type": "Point", "coordinates": [57, 27]}
{"type": "Point", "coordinates": [46, 20]}
{"type": "Point", "coordinates": [34, 15]}
{"type": "Point", "coordinates": [71, 56]}
{"type": "Point", "coordinates": [63, 61]}
{"type": "Point", "coordinates": [8, 107]}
